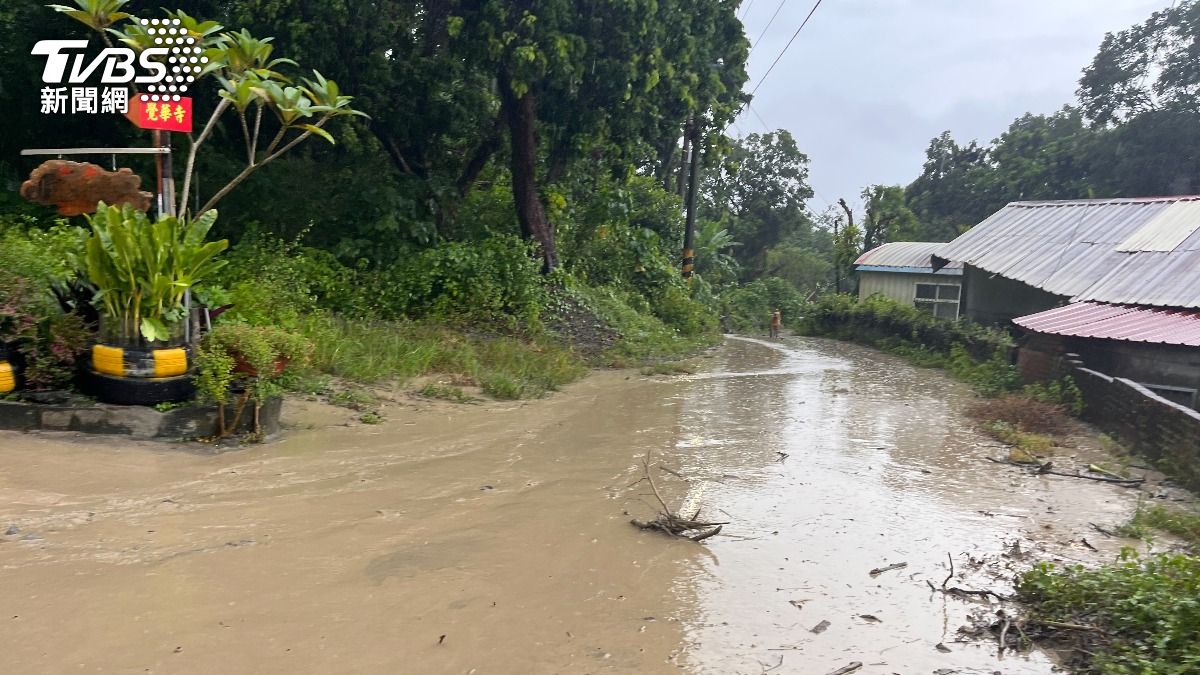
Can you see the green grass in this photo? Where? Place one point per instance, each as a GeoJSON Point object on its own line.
{"type": "Point", "coordinates": [1030, 444]}
{"type": "Point", "coordinates": [1147, 612]}
{"type": "Point", "coordinates": [355, 399]}
{"type": "Point", "coordinates": [371, 352]}
{"type": "Point", "coordinates": [446, 392]}
{"type": "Point", "coordinates": [644, 338]}
{"type": "Point", "coordinates": [371, 418]}
{"type": "Point", "coordinates": [1183, 524]}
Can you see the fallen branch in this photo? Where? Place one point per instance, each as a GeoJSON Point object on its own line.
{"type": "Point", "coordinates": [1101, 530]}
{"type": "Point", "coordinates": [669, 522]}
{"type": "Point", "coordinates": [1066, 626]}
{"type": "Point", "coordinates": [847, 669]}
{"type": "Point", "coordinates": [1044, 469]}
{"type": "Point", "coordinates": [888, 568]}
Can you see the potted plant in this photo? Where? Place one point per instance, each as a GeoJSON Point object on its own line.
{"type": "Point", "coordinates": [248, 358]}
{"type": "Point", "coordinates": [142, 271]}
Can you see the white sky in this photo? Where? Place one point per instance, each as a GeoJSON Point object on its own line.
{"type": "Point", "coordinates": [868, 83]}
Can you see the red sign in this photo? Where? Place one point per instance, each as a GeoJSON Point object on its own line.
{"type": "Point", "coordinates": [164, 115]}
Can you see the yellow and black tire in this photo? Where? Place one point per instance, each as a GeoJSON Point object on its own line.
{"type": "Point", "coordinates": [137, 376]}
{"type": "Point", "coordinates": [8, 377]}
{"type": "Point", "coordinates": [140, 363]}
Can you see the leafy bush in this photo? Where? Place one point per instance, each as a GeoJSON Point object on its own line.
{"type": "Point", "coordinates": [1147, 609]}
{"type": "Point", "coordinates": [875, 318]}
{"type": "Point", "coordinates": [496, 280]}
{"type": "Point", "coordinates": [991, 377]}
{"type": "Point", "coordinates": [47, 342]}
{"type": "Point", "coordinates": [1064, 393]}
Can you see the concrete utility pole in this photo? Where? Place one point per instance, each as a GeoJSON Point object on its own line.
{"type": "Point", "coordinates": [689, 232]}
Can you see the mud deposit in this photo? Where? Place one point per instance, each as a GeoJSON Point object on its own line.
{"type": "Point", "coordinates": [495, 539]}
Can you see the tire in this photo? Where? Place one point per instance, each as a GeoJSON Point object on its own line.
{"type": "Point", "coordinates": [139, 391]}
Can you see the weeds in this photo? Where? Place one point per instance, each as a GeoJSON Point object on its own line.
{"type": "Point", "coordinates": [1183, 524]}
{"type": "Point", "coordinates": [1021, 413]}
{"type": "Point", "coordinates": [1030, 445]}
{"type": "Point", "coordinates": [371, 418]}
{"type": "Point", "coordinates": [446, 392]}
{"type": "Point", "coordinates": [355, 399]}
{"type": "Point", "coordinates": [1142, 615]}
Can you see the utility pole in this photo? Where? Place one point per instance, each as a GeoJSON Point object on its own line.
{"type": "Point", "coordinates": [689, 232]}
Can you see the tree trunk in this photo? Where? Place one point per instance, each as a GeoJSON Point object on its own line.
{"type": "Point", "coordinates": [521, 117]}
{"type": "Point", "coordinates": [479, 159]}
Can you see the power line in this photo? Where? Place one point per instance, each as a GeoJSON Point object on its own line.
{"type": "Point", "coordinates": [764, 30]}
{"type": "Point", "coordinates": [785, 47]}
{"type": "Point", "coordinates": [746, 9]}
{"type": "Point", "coordinates": [766, 127]}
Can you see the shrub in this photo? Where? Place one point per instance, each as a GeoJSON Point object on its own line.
{"type": "Point", "coordinates": [748, 308]}
{"type": "Point", "coordinates": [494, 281]}
{"type": "Point", "coordinates": [1146, 609]}
{"type": "Point", "coordinates": [1022, 413]}
{"type": "Point", "coordinates": [1064, 393]}
{"type": "Point", "coordinates": [990, 378]}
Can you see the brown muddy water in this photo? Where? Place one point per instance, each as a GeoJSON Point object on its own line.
{"type": "Point", "coordinates": [495, 539]}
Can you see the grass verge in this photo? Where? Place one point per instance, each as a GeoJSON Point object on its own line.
{"type": "Point", "coordinates": [1134, 616]}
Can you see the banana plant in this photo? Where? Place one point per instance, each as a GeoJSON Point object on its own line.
{"type": "Point", "coordinates": [142, 269]}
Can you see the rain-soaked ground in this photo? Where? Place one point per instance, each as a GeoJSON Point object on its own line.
{"type": "Point", "coordinates": [495, 539]}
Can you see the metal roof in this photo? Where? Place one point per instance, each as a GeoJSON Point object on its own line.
{"type": "Point", "coordinates": [905, 254]}
{"type": "Point", "coordinates": [1134, 251]}
{"type": "Point", "coordinates": [1117, 322]}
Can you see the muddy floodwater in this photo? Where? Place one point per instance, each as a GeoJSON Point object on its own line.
{"type": "Point", "coordinates": [496, 538]}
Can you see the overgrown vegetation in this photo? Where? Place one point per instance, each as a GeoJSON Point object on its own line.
{"type": "Point", "coordinates": [1139, 615]}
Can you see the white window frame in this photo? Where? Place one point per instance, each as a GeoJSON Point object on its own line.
{"type": "Point", "coordinates": [935, 300]}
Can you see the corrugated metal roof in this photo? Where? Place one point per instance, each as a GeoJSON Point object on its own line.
{"type": "Point", "coordinates": [1165, 231]}
{"type": "Point", "coordinates": [1117, 322]}
{"type": "Point", "coordinates": [1072, 248]}
{"type": "Point", "coordinates": [913, 254]}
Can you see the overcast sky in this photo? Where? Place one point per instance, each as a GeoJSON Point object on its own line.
{"type": "Point", "coordinates": [868, 83]}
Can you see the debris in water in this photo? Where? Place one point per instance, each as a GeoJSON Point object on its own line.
{"type": "Point", "coordinates": [441, 639]}
{"type": "Point", "coordinates": [942, 648]}
{"type": "Point", "coordinates": [870, 617]}
{"type": "Point", "coordinates": [849, 668]}
{"type": "Point", "coordinates": [798, 604]}
{"type": "Point", "coordinates": [669, 522]}
{"type": "Point", "coordinates": [895, 566]}
{"type": "Point", "coordinates": [820, 628]}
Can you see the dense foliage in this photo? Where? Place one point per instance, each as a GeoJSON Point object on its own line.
{"type": "Point", "coordinates": [1145, 609]}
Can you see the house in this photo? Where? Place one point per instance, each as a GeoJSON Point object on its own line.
{"type": "Point", "coordinates": [1115, 282]}
{"type": "Point", "coordinates": [903, 272]}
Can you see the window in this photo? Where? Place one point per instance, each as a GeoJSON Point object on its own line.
{"type": "Point", "coordinates": [940, 300]}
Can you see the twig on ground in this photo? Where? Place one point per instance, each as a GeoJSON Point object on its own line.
{"type": "Point", "coordinates": [847, 668]}
{"type": "Point", "coordinates": [887, 568]}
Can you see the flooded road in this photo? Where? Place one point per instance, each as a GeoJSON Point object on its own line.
{"type": "Point", "coordinates": [495, 539]}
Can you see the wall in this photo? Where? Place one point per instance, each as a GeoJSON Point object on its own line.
{"type": "Point", "coordinates": [899, 286]}
{"type": "Point", "coordinates": [992, 299]}
{"type": "Point", "coordinates": [1164, 432]}
{"type": "Point", "coordinates": [1148, 364]}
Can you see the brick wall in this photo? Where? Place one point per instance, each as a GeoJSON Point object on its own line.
{"type": "Point", "coordinates": [1164, 432]}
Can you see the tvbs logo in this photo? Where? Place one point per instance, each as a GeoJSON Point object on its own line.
{"type": "Point", "coordinates": [116, 65]}
{"type": "Point", "coordinates": [162, 71]}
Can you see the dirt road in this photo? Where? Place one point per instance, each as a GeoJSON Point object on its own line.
{"type": "Point", "coordinates": [495, 539]}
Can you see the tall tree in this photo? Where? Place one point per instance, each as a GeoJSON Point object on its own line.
{"type": "Point", "coordinates": [760, 192]}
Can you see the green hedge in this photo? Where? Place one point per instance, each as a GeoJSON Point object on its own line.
{"type": "Point", "coordinates": [876, 319]}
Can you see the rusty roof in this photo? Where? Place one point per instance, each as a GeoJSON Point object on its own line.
{"type": "Point", "coordinates": [1134, 251]}
{"type": "Point", "coordinates": [904, 254]}
{"type": "Point", "coordinates": [1118, 322]}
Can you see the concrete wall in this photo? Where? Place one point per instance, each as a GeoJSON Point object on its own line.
{"type": "Point", "coordinates": [992, 299]}
{"type": "Point", "coordinates": [1160, 367]}
{"type": "Point", "coordinates": [1146, 423]}
{"type": "Point", "coordinates": [899, 286]}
